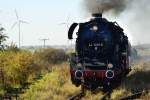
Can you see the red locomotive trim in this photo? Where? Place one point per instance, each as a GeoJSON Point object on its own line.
{"type": "Point", "coordinates": [95, 73]}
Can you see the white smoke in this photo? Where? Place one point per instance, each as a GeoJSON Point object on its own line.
{"type": "Point", "coordinates": [137, 20]}
{"type": "Point", "coordinates": [135, 15]}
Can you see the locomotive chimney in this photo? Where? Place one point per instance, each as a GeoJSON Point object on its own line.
{"type": "Point", "coordinates": [97, 15]}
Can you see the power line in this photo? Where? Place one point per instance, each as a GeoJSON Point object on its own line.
{"type": "Point", "coordinates": [44, 41]}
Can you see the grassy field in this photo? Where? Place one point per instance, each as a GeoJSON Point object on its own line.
{"type": "Point", "coordinates": [23, 66]}
{"type": "Point", "coordinates": [57, 85]}
{"type": "Point", "coordinates": [53, 86]}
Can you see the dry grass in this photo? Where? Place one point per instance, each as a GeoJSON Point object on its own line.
{"type": "Point", "coordinates": [54, 86]}
{"type": "Point", "coordinates": [57, 85]}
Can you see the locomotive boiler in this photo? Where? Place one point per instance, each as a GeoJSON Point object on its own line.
{"type": "Point", "coordinates": [102, 54]}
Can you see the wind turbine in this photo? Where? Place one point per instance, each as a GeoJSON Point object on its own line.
{"type": "Point", "coordinates": [67, 23]}
{"type": "Point", "coordinates": [18, 22]}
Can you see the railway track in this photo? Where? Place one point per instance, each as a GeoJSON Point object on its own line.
{"type": "Point", "coordinates": [134, 96]}
{"type": "Point", "coordinates": [77, 96]}
{"type": "Point", "coordinates": [81, 95]}
{"type": "Point", "coordinates": [107, 96]}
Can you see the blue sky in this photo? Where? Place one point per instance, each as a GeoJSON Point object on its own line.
{"type": "Point", "coordinates": [44, 17]}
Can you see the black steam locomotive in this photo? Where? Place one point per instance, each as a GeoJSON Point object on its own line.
{"type": "Point", "coordinates": [102, 53]}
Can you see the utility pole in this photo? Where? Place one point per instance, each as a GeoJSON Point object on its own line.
{"type": "Point", "coordinates": [44, 41]}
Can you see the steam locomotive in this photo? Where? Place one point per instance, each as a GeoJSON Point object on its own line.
{"type": "Point", "coordinates": [102, 54]}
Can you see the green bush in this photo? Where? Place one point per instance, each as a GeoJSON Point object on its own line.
{"type": "Point", "coordinates": [22, 66]}
{"type": "Point", "coordinates": [17, 67]}
{"type": "Point", "coordinates": [48, 57]}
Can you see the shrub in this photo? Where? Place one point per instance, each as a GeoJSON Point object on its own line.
{"type": "Point", "coordinates": [48, 57]}
{"type": "Point", "coordinates": [17, 67]}
{"type": "Point", "coordinates": [21, 66]}
{"type": "Point", "coordinates": [13, 47]}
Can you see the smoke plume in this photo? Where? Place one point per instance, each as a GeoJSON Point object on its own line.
{"type": "Point", "coordinates": [137, 19]}
{"type": "Point", "coordinates": [133, 14]}
{"type": "Point", "coordinates": [114, 6]}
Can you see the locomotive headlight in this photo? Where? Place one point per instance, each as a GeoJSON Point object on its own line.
{"type": "Point", "coordinates": [79, 65]}
{"type": "Point", "coordinates": [110, 65]}
{"type": "Point", "coordinates": [95, 28]}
